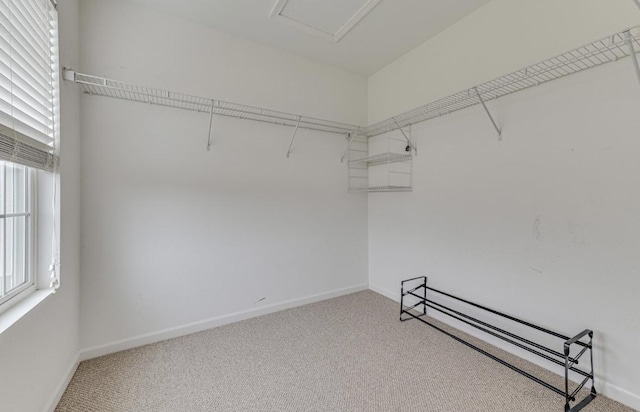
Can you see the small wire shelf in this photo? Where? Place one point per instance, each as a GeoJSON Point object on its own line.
{"type": "Point", "coordinates": [390, 189]}
{"type": "Point", "coordinates": [606, 50]}
{"type": "Point", "coordinates": [101, 86]}
{"type": "Point", "coordinates": [384, 189]}
{"type": "Point", "coordinates": [381, 159]}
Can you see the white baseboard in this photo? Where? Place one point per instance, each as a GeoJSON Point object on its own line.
{"type": "Point", "coordinates": [199, 326]}
{"type": "Point", "coordinates": [604, 388]}
{"type": "Point", "coordinates": [386, 293]}
{"type": "Point", "coordinates": [616, 393]}
{"type": "Point", "coordinates": [64, 382]}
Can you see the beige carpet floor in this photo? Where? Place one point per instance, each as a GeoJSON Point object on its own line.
{"type": "Point", "coordinates": [345, 354]}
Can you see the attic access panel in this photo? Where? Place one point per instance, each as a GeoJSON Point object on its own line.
{"type": "Point", "coordinates": [329, 19]}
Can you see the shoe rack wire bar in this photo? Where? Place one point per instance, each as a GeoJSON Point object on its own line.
{"type": "Point", "coordinates": [603, 51]}
{"type": "Point", "coordinates": [422, 297]}
{"type": "Point", "coordinates": [100, 86]}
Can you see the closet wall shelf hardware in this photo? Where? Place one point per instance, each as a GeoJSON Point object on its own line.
{"type": "Point", "coordinates": [381, 159]}
{"type": "Point", "coordinates": [404, 134]}
{"type": "Point", "coordinates": [628, 38]}
{"type": "Point", "coordinates": [486, 110]}
{"type": "Point", "coordinates": [607, 50]}
{"type": "Point", "coordinates": [101, 86]}
{"type": "Point", "coordinates": [384, 189]}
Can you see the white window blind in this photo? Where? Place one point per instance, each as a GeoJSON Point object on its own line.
{"type": "Point", "coordinates": [28, 82]}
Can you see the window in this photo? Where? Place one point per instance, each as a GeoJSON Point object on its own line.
{"type": "Point", "coordinates": [28, 136]}
{"type": "Point", "coordinates": [16, 235]}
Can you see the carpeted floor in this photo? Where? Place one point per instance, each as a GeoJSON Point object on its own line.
{"type": "Point", "coordinates": [345, 354]}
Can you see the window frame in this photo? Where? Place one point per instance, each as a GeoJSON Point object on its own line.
{"type": "Point", "coordinates": [30, 260]}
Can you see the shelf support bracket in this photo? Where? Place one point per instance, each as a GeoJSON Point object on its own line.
{"type": "Point", "coordinates": [352, 136]}
{"type": "Point", "coordinates": [632, 52]}
{"type": "Point", "coordinates": [411, 145]}
{"type": "Point", "coordinates": [210, 124]}
{"type": "Point", "coordinates": [295, 131]}
{"type": "Point", "coordinates": [486, 109]}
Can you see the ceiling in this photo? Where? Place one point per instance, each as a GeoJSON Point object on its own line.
{"type": "Point", "coordinates": [361, 36]}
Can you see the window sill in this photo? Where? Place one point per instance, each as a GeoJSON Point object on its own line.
{"type": "Point", "coordinates": [17, 311]}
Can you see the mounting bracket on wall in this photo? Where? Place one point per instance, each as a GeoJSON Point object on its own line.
{"type": "Point", "coordinates": [486, 109]}
{"type": "Point", "coordinates": [632, 52]}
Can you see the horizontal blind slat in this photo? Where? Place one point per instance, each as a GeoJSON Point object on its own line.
{"type": "Point", "coordinates": [32, 18]}
{"type": "Point", "coordinates": [23, 123]}
{"type": "Point", "coordinates": [36, 31]}
{"type": "Point", "coordinates": [37, 63]}
{"type": "Point", "coordinates": [6, 120]}
{"type": "Point", "coordinates": [36, 117]}
{"type": "Point", "coordinates": [22, 67]}
{"type": "Point", "coordinates": [23, 79]}
{"type": "Point", "coordinates": [29, 114]}
{"type": "Point", "coordinates": [37, 55]}
{"type": "Point", "coordinates": [38, 93]}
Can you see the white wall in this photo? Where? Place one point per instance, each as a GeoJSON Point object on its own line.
{"type": "Point", "coordinates": [542, 225]}
{"type": "Point", "coordinates": [174, 235]}
{"type": "Point", "coordinates": [39, 352]}
{"type": "Point", "coordinates": [500, 37]}
{"type": "Point", "coordinates": [549, 211]}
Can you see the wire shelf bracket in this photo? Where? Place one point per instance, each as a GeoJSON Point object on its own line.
{"type": "Point", "coordinates": [295, 131]}
{"type": "Point", "coordinates": [486, 109]}
{"type": "Point", "coordinates": [603, 51]}
{"type": "Point", "coordinates": [632, 52]}
{"type": "Point", "coordinates": [101, 86]}
{"type": "Point", "coordinates": [351, 137]}
{"type": "Point", "coordinates": [210, 124]}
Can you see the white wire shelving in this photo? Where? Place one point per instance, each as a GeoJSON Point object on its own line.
{"type": "Point", "coordinates": [384, 189]}
{"type": "Point", "coordinates": [101, 86]}
{"type": "Point", "coordinates": [382, 158]}
{"type": "Point", "coordinates": [357, 169]}
{"type": "Point", "coordinates": [381, 163]}
{"type": "Point", "coordinates": [603, 51]}
{"type": "Point", "coordinates": [600, 52]}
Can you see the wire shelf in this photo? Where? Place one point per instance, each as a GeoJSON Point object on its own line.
{"type": "Point", "coordinates": [101, 86]}
{"type": "Point", "coordinates": [381, 159]}
{"type": "Point", "coordinates": [606, 50]}
{"type": "Point", "coordinates": [384, 189]}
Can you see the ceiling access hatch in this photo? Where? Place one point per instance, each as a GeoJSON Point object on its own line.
{"type": "Point", "coordinates": [329, 19]}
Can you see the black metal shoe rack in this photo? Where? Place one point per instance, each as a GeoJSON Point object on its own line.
{"type": "Point", "coordinates": [563, 358]}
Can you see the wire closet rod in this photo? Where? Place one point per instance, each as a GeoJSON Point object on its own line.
{"type": "Point", "coordinates": [101, 86]}
{"type": "Point", "coordinates": [607, 50]}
